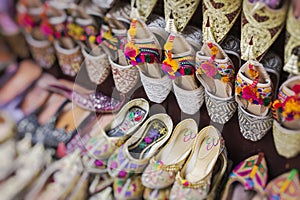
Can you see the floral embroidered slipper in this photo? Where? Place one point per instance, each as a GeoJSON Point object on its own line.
{"type": "Point", "coordinates": [144, 51]}
{"type": "Point", "coordinates": [115, 133]}
{"type": "Point", "coordinates": [128, 189]}
{"type": "Point", "coordinates": [221, 15]}
{"type": "Point", "coordinates": [254, 94]}
{"type": "Point", "coordinates": [285, 186]}
{"type": "Point", "coordinates": [60, 186]}
{"type": "Point", "coordinates": [134, 155]}
{"type": "Point", "coordinates": [195, 179]}
{"type": "Point", "coordinates": [29, 165]}
{"type": "Point", "coordinates": [179, 64]}
{"type": "Point", "coordinates": [286, 126]}
{"type": "Point", "coordinates": [292, 46]}
{"type": "Point", "coordinates": [248, 179]}
{"type": "Point", "coordinates": [163, 167]}
{"type": "Point", "coordinates": [261, 25]}
{"type": "Point", "coordinates": [154, 194]}
{"type": "Point", "coordinates": [216, 73]}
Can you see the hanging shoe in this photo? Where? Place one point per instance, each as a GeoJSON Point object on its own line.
{"type": "Point", "coordinates": [134, 155]}
{"type": "Point", "coordinates": [195, 180]}
{"type": "Point", "coordinates": [286, 126]}
{"type": "Point", "coordinates": [163, 167]}
{"type": "Point", "coordinates": [216, 73]}
{"type": "Point", "coordinates": [248, 179]}
{"type": "Point", "coordinates": [254, 94]}
{"type": "Point", "coordinates": [262, 24]}
{"type": "Point", "coordinates": [292, 45]}
{"type": "Point", "coordinates": [284, 187]}
{"type": "Point", "coordinates": [222, 15]}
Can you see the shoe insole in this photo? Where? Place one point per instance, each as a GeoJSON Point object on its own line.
{"type": "Point", "coordinates": [180, 147]}
{"type": "Point", "coordinates": [133, 116]}
{"type": "Point", "coordinates": [50, 108]}
{"type": "Point", "coordinates": [71, 119]}
{"type": "Point", "coordinates": [153, 133]}
{"type": "Point", "coordinates": [27, 72]}
{"type": "Point", "coordinates": [206, 158]}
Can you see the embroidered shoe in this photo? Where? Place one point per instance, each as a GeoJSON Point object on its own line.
{"type": "Point", "coordinates": [163, 167]}
{"type": "Point", "coordinates": [115, 133]}
{"type": "Point", "coordinates": [248, 179]}
{"type": "Point", "coordinates": [286, 126]}
{"type": "Point", "coordinates": [221, 15]}
{"type": "Point", "coordinates": [216, 73]}
{"type": "Point", "coordinates": [134, 155]}
{"type": "Point", "coordinates": [194, 181]}
{"type": "Point", "coordinates": [130, 188]}
{"type": "Point", "coordinates": [285, 186]}
{"type": "Point", "coordinates": [261, 24]}
{"type": "Point", "coordinates": [291, 48]}
{"type": "Point", "coordinates": [144, 51]}
{"type": "Point", "coordinates": [254, 93]}
{"type": "Point", "coordinates": [179, 64]}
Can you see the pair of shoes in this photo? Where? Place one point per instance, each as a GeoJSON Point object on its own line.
{"type": "Point", "coordinates": [286, 125]}
{"type": "Point", "coordinates": [248, 180]}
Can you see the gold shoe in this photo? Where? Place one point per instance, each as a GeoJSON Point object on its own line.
{"type": "Point", "coordinates": [291, 49]}
{"type": "Point", "coordinates": [221, 15]}
{"type": "Point", "coordinates": [182, 11]}
{"type": "Point", "coordinates": [261, 26]}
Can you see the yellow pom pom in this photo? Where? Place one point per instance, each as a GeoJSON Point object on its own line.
{"type": "Point", "coordinates": [132, 32]}
{"type": "Point", "coordinates": [92, 39]}
{"type": "Point", "coordinates": [168, 46]}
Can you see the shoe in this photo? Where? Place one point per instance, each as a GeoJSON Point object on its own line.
{"type": "Point", "coordinates": [177, 17]}
{"type": "Point", "coordinates": [248, 179]}
{"type": "Point", "coordinates": [179, 65]}
{"type": "Point", "coordinates": [87, 99]}
{"type": "Point", "coordinates": [70, 166]}
{"type": "Point", "coordinates": [286, 126]}
{"type": "Point", "coordinates": [144, 51]}
{"type": "Point", "coordinates": [261, 25]}
{"type": "Point", "coordinates": [221, 16]}
{"type": "Point", "coordinates": [216, 73]}
{"type": "Point", "coordinates": [7, 127]}
{"type": "Point", "coordinates": [69, 55]}
{"type": "Point", "coordinates": [254, 94]}
{"type": "Point", "coordinates": [128, 189]}
{"type": "Point", "coordinates": [29, 165]}
{"type": "Point", "coordinates": [195, 180]}
{"type": "Point", "coordinates": [163, 167]}
{"type": "Point", "coordinates": [117, 131]}
{"type": "Point", "coordinates": [134, 155]}
{"type": "Point", "coordinates": [291, 48]}
{"type": "Point", "coordinates": [27, 72]}
{"type": "Point", "coordinates": [153, 194]}
{"type": "Point", "coordinates": [285, 186]}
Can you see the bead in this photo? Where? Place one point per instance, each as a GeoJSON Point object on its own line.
{"type": "Point", "coordinates": [98, 163]}
{"type": "Point", "coordinates": [122, 174]}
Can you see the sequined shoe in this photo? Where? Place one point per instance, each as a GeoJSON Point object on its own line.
{"type": "Point", "coordinates": [286, 126]}
{"type": "Point", "coordinates": [117, 131]}
{"type": "Point", "coordinates": [216, 73]}
{"type": "Point", "coordinates": [134, 155]}
{"type": "Point", "coordinates": [195, 179]}
{"type": "Point", "coordinates": [179, 65]}
{"type": "Point", "coordinates": [254, 93]}
{"type": "Point", "coordinates": [285, 186]}
{"type": "Point", "coordinates": [163, 167]}
{"type": "Point", "coordinates": [248, 179]}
